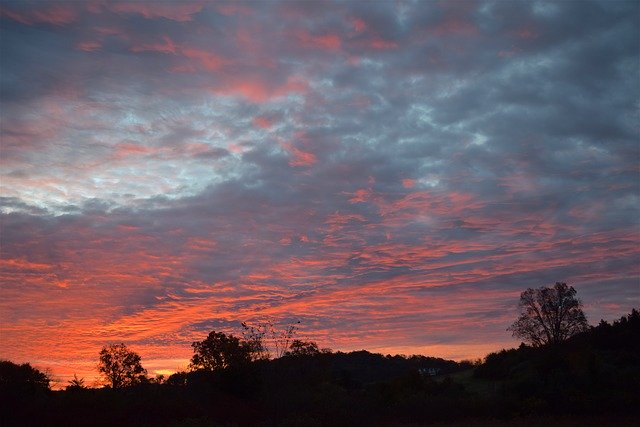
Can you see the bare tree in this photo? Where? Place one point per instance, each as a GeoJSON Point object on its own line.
{"type": "Point", "coordinates": [267, 341]}
{"type": "Point", "coordinates": [549, 315]}
{"type": "Point", "coordinates": [120, 366]}
{"type": "Point", "coordinates": [254, 336]}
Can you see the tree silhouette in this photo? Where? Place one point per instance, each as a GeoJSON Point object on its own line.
{"type": "Point", "coordinates": [266, 340]}
{"type": "Point", "coordinates": [120, 366]}
{"type": "Point", "coordinates": [549, 315]}
{"type": "Point", "coordinates": [21, 380]}
{"type": "Point", "coordinates": [254, 336]}
{"type": "Point", "coordinates": [220, 351]}
{"type": "Point", "coordinates": [303, 348]}
{"type": "Point", "coordinates": [282, 340]}
{"type": "Point", "coordinates": [76, 384]}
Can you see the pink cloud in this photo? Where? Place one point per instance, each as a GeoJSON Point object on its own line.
{"type": "Point", "coordinates": [109, 31]}
{"type": "Point", "coordinates": [208, 60]}
{"type": "Point", "coordinates": [255, 89]}
{"type": "Point", "coordinates": [125, 149]}
{"type": "Point", "coordinates": [457, 20]}
{"type": "Point", "coordinates": [89, 46]}
{"type": "Point", "coordinates": [181, 12]}
{"type": "Point", "coordinates": [299, 150]}
{"type": "Point", "coordinates": [167, 46]}
{"type": "Point", "coordinates": [229, 9]}
{"type": "Point", "coordinates": [361, 195]}
{"type": "Point", "coordinates": [358, 24]}
{"type": "Point", "coordinates": [455, 26]}
{"type": "Point", "coordinates": [507, 53]}
{"type": "Point", "coordinates": [337, 221]}
{"type": "Point", "coordinates": [200, 244]}
{"type": "Point", "coordinates": [59, 15]}
{"type": "Point", "coordinates": [527, 33]}
{"type": "Point", "coordinates": [330, 42]}
{"type": "Point", "coordinates": [408, 183]}
{"type": "Point", "coordinates": [298, 156]}
{"type": "Point", "coordinates": [381, 44]}
{"type": "Point", "coordinates": [262, 122]}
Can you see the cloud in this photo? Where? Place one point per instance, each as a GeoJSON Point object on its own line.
{"type": "Point", "coordinates": [386, 173]}
{"type": "Point", "coordinates": [57, 14]}
{"type": "Point", "coordinates": [181, 12]}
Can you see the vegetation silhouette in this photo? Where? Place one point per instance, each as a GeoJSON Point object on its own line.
{"type": "Point", "coordinates": [589, 378]}
{"type": "Point", "coordinates": [594, 371]}
{"type": "Point", "coordinates": [267, 340]}
{"type": "Point", "coordinates": [303, 348]}
{"type": "Point", "coordinates": [220, 351]}
{"type": "Point", "coordinates": [120, 366]}
{"type": "Point", "coordinates": [76, 384]}
{"type": "Point", "coordinates": [21, 380]}
{"type": "Point", "coordinates": [549, 315]}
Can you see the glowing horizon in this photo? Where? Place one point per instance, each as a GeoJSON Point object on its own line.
{"type": "Point", "coordinates": [390, 174]}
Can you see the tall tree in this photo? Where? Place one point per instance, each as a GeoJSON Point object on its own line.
{"type": "Point", "coordinates": [120, 366]}
{"type": "Point", "coordinates": [549, 315]}
{"type": "Point", "coordinates": [220, 351]}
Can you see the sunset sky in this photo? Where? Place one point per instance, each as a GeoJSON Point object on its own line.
{"type": "Point", "coordinates": [391, 174]}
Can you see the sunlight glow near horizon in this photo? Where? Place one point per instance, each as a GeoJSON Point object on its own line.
{"type": "Point", "coordinates": [390, 174]}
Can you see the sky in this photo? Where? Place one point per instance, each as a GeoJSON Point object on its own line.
{"type": "Point", "coordinates": [391, 174]}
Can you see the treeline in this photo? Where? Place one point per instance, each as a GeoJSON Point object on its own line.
{"type": "Point", "coordinates": [591, 377]}
{"type": "Point", "coordinates": [596, 370]}
{"type": "Point", "coordinates": [325, 388]}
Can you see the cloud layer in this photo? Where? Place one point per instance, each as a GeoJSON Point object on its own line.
{"type": "Point", "coordinates": [391, 174]}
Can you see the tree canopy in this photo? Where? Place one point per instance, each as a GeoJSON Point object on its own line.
{"type": "Point", "coordinates": [303, 348]}
{"type": "Point", "coordinates": [120, 366]}
{"type": "Point", "coordinates": [220, 351]}
{"type": "Point", "coordinates": [549, 315]}
{"type": "Point", "coordinates": [22, 379]}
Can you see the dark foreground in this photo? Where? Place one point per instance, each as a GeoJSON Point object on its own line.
{"type": "Point", "coordinates": [592, 379]}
